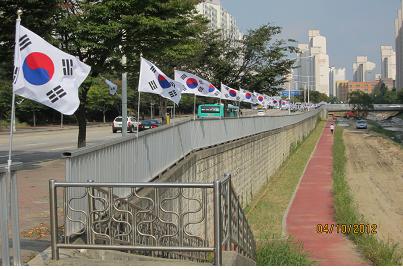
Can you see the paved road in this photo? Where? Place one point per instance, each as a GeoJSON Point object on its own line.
{"type": "Point", "coordinates": [41, 146]}
{"type": "Point", "coordinates": [33, 147]}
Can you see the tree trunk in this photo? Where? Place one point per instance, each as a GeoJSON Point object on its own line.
{"type": "Point", "coordinates": [82, 126]}
{"type": "Point", "coordinates": [163, 110]}
{"type": "Point", "coordinates": [34, 118]}
{"type": "Point", "coordinates": [104, 116]}
{"type": "Point", "coordinates": [82, 117]}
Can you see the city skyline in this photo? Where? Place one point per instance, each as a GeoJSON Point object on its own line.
{"type": "Point", "coordinates": [349, 33]}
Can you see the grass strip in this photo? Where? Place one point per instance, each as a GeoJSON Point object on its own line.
{"type": "Point", "coordinates": [375, 250]}
{"type": "Point", "coordinates": [265, 215]}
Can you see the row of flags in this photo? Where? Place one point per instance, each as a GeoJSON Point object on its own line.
{"type": "Point", "coordinates": [153, 80]}
{"type": "Point", "coordinates": [45, 74]}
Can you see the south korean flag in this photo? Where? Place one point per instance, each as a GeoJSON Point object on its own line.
{"type": "Point", "coordinates": [45, 74]}
{"type": "Point", "coordinates": [153, 80]}
{"type": "Point", "coordinates": [230, 94]}
{"type": "Point", "coordinates": [196, 85]}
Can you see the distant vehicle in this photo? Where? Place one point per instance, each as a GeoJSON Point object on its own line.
{"type": "Point", "coordinates": [361, 124]}
{"type": "Point", "coordinates": [149, 124]}
{"type": "Point", "coordinates": [131, 124]}
{"type": "Point", "coordinates": [217, 111]}
{"type": "Point", "coordinates": [210, 111]}
{"type": "Point", "coordinates": [261, 113]}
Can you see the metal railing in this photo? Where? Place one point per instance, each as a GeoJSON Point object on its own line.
{"type": "Point", "coordinates": [143, 159]}
{"type": "Point", "coordinates": [9, 215]}
{"type": "Point", "coordinates": [169, 220]}
{"type": "Point", "coordinates": [153, 152]}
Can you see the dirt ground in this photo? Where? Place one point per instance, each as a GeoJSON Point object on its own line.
{"type": "Point", "coordinates": [375, 175]}
{"type": "Point", "coordinates": [33, 189]}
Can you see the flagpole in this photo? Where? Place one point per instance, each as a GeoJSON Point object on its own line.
{"type": "Point", "coordinates": [173, 118]}
{"type": "Point", "coordinates": [194, 108]}
{"type": "Point", "coordinates": [138, 101]}
{"type": "Point", "coordinates": [220, 101]}
{"type": "Point", "coordinates": [11, 183]}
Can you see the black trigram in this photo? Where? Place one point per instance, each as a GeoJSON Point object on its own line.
{"type": "Point", "coordinates": [153, 85]}
{"type": "Point", "coordinates": [24, 42]}
{"type": "Point", "coordinates": [56, 94]}
{"type": "Point", "coordinates": [183, 77]}
{"type": "Point", "coordinates": [201, 89]}
{"type": "Point", "coordinates": [153, 69]}
{"type": "Point", "coordinates": [67, 67]}
{"type": "Point", "coordinates": [217, 93]}
{"type": "Point", "coordinates": [173, 85]}
{"type": "Point", "coordinates": [172, 94]}
{"type": "Point", "coordinates": [15, 74]}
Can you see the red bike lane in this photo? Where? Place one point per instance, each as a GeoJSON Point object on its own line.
{"type": "Point", "coordinates": [313, 206]}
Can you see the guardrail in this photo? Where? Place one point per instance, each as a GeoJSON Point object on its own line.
{"type": "Point", "coordinates": [377, 107]}
{"type": "Point", "coordinates": [9, 215]}
{"type": "Point", "coordinates": [170, 220]}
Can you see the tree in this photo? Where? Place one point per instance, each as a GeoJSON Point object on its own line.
{"type": "Point", "coordinates": [361, 102]}
{"type": "Point", "coordinates": [258, 62]}
{"type": "Point", "coordinates": [28, 106]}
{"type": "Point", "coordinates": [99, 99]}
{"type": "Point", "coordinates": [317, 97]}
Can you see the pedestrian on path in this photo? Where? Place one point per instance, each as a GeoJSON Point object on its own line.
{"type": "Point", "coordinates": [332, 128]}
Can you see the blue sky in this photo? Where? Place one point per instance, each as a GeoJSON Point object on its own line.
{"type": "Point", "coordinates": [352, 27]}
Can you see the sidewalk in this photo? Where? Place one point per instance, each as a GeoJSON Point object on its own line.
{"type": "Point", "coordinates": [313, 205]}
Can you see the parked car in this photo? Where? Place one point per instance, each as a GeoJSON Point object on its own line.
{"type": "Point", "coordinates": [149, 124]}
{"type": "Point", "coordinates": [361, 124]}
{"type": "Point", "coordinates": [261, 113]}
{"type": "Point", "coordinates": [131, 124]}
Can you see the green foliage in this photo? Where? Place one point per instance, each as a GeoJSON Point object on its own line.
{"type": "Point", "coordinates": [362, 102]}
{"type": "Point", "coordinates": [317, 97]}
{"type": "Point", "coordinates": [5, 100]}
{"type": "Point", "coordinates": [375, 250]}
{"type": "Point", "coordinates": [100, 100]}
{"type": "Point", "coordinates": [281, 253]}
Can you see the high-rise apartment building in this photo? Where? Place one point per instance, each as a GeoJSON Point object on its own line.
{"type": "Point", "coordinates": [363, 70]}
{"type": "Point", "coordinates": [335, 75]}
{"type": "Point", "coordinates": [399, 47]}
{"type": "Point", "coordinates": [388, 63]}
{"type": "Point", "coordinates": [219, 19]}
{"type": "Point", "coordinates": [313, 63]}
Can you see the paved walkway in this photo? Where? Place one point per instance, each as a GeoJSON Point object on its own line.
{"type": "Point", "coordinates": [313, 205]}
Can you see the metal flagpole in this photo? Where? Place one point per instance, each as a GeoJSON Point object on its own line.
{"type": "Point", "coordinates": [173, 118]}
{"type": "Point", "coordinates": [11, 186]}
{"type": "Point", "coordinates": [194, 108]}
{"type": "Point", "coordinates": [138, 102]}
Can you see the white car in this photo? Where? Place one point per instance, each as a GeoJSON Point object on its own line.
{"type": "Point", "coordinates": [261, 113]}
{"type": "Point", "coordinates": [131, 124]}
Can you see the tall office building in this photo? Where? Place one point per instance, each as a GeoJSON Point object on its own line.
{"type": "Point", "coordinates": [313, 63]}
{"type": "Point", "coordinates": [219, 19]}
{"type": "Point", "coordinates": [388, 63]}
{"type": "Point", "coordinates": [363, 70]}
{"type": "Point", "coordinates": [335, 75]}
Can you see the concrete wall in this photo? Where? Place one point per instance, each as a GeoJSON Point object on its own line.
{"type": "Point", "coordinates": [250, 161]}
